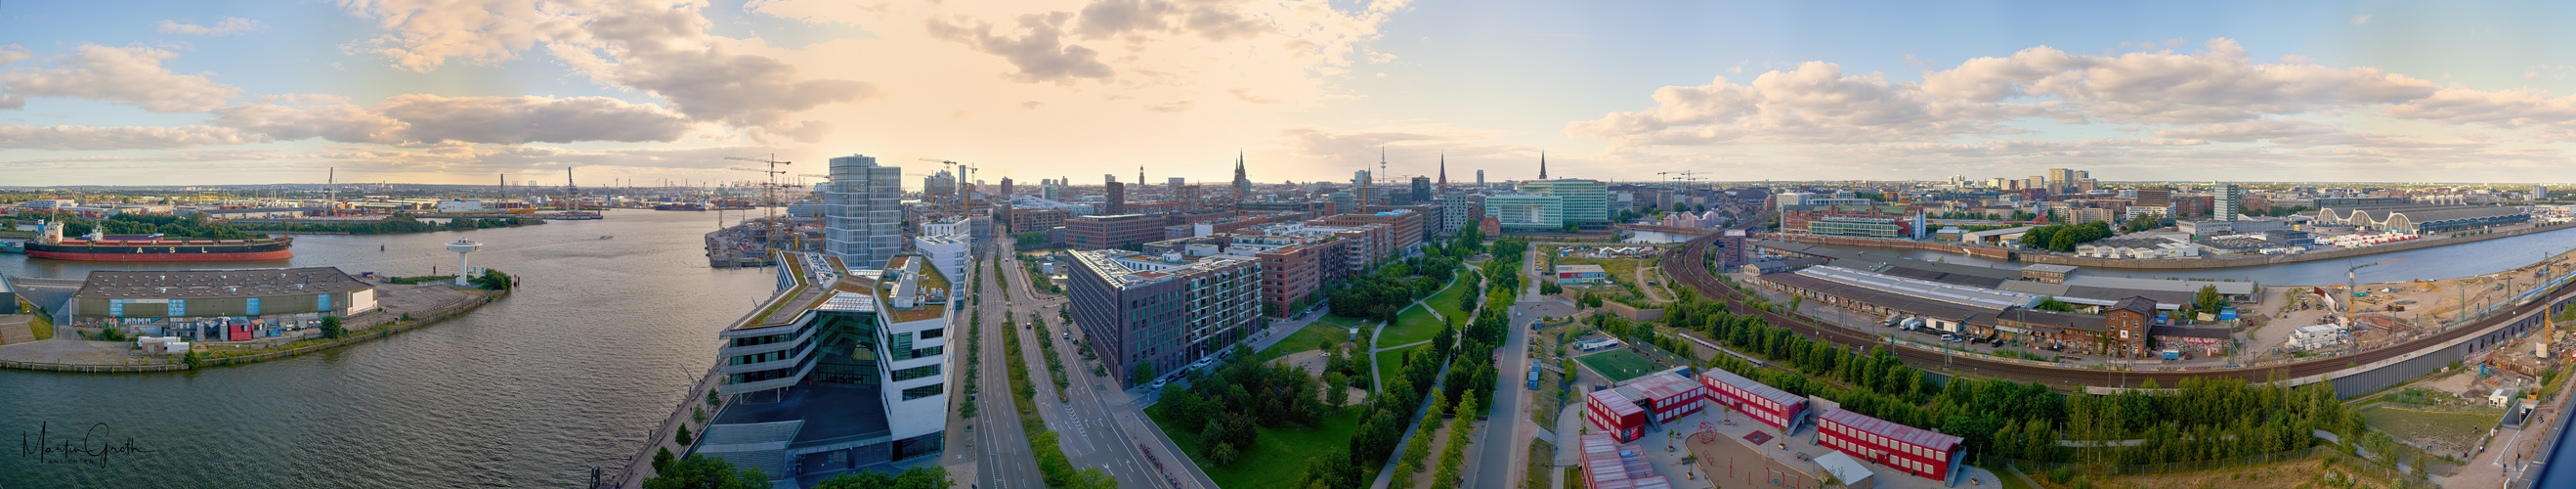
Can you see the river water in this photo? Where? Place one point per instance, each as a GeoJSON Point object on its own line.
{"type": "Point", "coordinates": [600, 342]}
{"type": "Point", "coordinates": [2441, 262]}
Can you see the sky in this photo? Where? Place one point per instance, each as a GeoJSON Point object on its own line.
{"type": "Point", "coordinates": [470, 91]}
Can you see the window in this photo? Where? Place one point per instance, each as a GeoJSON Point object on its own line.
{"type": "Point", "coordinates": [921, 392]}
{"type": "Point", "coordinates": [916, 372]}
{"type": "Point", "coordinates": [932, 333]}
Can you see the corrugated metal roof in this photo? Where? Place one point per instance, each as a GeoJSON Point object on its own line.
{"type": "Point", "coordinates": [1883, 428]}
{"type": "Point", "coordinates": [1952, 293]}
{"type": "Point", "coordinates": [1619, 404]}
{"type": "Point", "coordinates": [1757, 389]}
{"type": "Point", "coordinates": [1663, 385]}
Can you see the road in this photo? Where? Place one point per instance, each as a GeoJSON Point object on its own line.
{"type": "Point", "coordinates": [1495, 467]}
{"type": "Point", "coordinates": [1683, 266]}
{"type": "Point", "coordinates": [1102, 425]}
{"type": "Point", "coordinates": [1001, 448]}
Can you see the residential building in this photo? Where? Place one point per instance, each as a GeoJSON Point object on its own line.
{"type": "Point", "coordinates": [1861, 220]}
{"type": "Point", "coordinates": [1027, 220]}
{"type": "Point", "coordinates": [1163, 311]}
{"type": "Point", "coordinates": [863, 212]}
{"type": "Point", "coordinates": [1404, 226]}
{"type": "Point", "coordinates": [1116, 204]}
{"type": "Point", "coordinates": [1097, 232]}
{"type": "Point", "coordinates": [2227, 202]}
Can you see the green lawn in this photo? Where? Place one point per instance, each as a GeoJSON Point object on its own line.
{"type": "Point", "coordinates": [1389, 362]}
{"type": "Point", "coordinates": [1312, 337]}
{"type": "Point", "coordinates": [1343, 322]}
{"type": "Point", "coordinates": [1414, 324]}
{"type": "Point", "coordinates": [1276, 456]}
{"type": "Point", "coordinates": [1620, 364]}
{"type": "Point", "coordinates": [1449, 299]}
{"type": "Point", "coordinates": [2444, 430]}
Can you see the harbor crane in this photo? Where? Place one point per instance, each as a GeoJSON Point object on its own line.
{"type": "Point", "coordinates": [768, 193]}
{"type": "Point", "coordinates": [961, 174]}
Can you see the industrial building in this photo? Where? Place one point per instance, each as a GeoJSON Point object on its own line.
{"type": "Point", "coordinates": [842, 369]}
{"type": "Point", "coordinates": [2423, 219]}
{"type": "Point", "coordinates": [218, 305]}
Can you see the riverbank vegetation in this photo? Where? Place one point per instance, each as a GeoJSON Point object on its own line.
{"type": "Point", "coordinates": [398, 224]}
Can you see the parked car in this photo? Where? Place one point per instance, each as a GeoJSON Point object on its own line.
{"type": "Point", "coordinates": [1158, 383]}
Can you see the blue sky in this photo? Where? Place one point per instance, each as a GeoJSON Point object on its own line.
{"type": "Point", "coordinates": [457, 91]}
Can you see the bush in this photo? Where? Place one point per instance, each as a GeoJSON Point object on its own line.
{"type": "Point", "coordinates": [683, 436]}
{"type": "Point", "coordinates": [332, 329]}
{"type": "Point", "coordinates": [701, 471]}
{"type": "Point", "coordinates": [662, 460]}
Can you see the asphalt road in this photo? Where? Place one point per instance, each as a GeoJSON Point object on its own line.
{"type": "Point", "coordinates": [1504, 440]}
{"type": "Point", "coordinates": [1102, 426]}
{"type": "Point", "coordinates": [1001, 446]}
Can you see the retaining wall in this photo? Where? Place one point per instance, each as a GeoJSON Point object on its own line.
{"type": "Point", "coordinates": [442, 314]}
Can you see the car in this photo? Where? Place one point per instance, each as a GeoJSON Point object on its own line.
{"type": "Point", "coordinates": [1202, 363]}
{"type": "Point", "coordinates": [1654, 283]}
{"type": "Point", "coordinates": [1158, 383]}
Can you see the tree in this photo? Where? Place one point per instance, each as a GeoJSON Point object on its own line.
{"type": "Point", "coordinates": [1092, 478]}
{"type": "Point", "coordinates": [662, 460]}
{"type": "Point", "coordinates": [491, 280]}
{"type": "Point", "coordinates": [2052, 304]}
{"type": "Point", "coordinates": [683, 436]}
{"type": "Point", "coordinates": [1142, 374]}
{"type": "Point", "coordinates": [331, 328]}
{"type": "Point", "coordinates": [2208, 299]}
{"type": "Point", "coordinates": [1571, 226]}
{"type": "Point", "coordinates": [1337, 389]}
{"type": "Point", "coordinates": [705, 472]}
{"type": "Point", "coordinates": [913, 478]}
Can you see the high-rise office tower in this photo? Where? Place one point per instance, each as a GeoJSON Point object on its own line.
{"type": "Point", "coordinates": [1421, 190]}
{"type": "Point", "coordinates": [1117, 194]}
{"type": "Point", "coordinates": [2227, 203]}
{"type": "Point", "coordinates": [863, 212]}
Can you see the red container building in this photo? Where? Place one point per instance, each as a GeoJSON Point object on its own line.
{"type": "Point", "coordinates": [1904, 448]}
{"type": "Point", "coordinates": [1625, 408]}
{"type": "Point", "coordinates": [1610, 465]}
{"type": "Point", "coordinates": [1768, 404]}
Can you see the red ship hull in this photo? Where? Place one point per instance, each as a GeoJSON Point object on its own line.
{"type": "Point", "coordinates": [132, 257]}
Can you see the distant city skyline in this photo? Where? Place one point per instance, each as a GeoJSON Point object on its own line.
{"type": "Point", "coordinates": [422, 91]}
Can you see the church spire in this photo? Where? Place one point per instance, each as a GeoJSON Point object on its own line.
{"type": "Point", "coordinates": [1542, 165]}
{"type": "Point", "coordinates": [1444, 171]}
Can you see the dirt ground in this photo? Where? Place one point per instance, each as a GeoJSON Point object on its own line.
{"type": "Point", "coordinates": [2426, 304]}
{"type": "Point", "coordinates": [2297, 474]}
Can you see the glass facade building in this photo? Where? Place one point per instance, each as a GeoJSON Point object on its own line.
{"type": "Point", "coordinates": [863, 212]}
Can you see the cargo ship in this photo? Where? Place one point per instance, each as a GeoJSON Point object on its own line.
{"type": "Point", "coordinates": [49, 244]}
{"type": "Point", "coordinates": [684, 206]}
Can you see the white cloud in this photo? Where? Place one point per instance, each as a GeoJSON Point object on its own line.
{"type": "Point", "coordinates": [2250, 130]}
{"type": "Point", "coordinates": [1038, 52]}
{"type": "Point", "coordinates": [86, 138]}
{"type": "Point", "coordinates": [130, 75]}
{"type": "Point", "coordinates": [2360, 19]}
{"type": "Point", "coordinates": [422, 118]}
{"type": "Point", "coordinates": [229, 26]}
{"type": "Point", "coordinates": [660, 48]}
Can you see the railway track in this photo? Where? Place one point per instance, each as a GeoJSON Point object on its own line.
{"type": "Point", "coordinates": [1684, 265]}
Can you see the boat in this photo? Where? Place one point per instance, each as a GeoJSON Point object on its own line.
{"type": "Point", "coordinates": [681, 206]}
{"type": "Point", "coordinates": [49, 244]}
{"type": "Point", "coordinates": [10, 247]}
{"type": "Point", "coordinates": [606, 237]}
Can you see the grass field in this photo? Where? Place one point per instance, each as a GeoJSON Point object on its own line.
{"type": "Point", "coordinates": [1312, 337]}
{"type": "Point", "coordinates": [1276, 456]}
{"type": "Point", "coordinates": [1450, 299]}
{"type": "Point", "coordinates": [1341, 321]}
{"type": "Point", "coordinates": [1620, 364]}
{"type": "Point", "coordinates": [2441, 430]}
{"type": "Point", "coordinates": [41, 325]}
{"type": "Point", "coordinates": [1414, 324]}
{"type": "Point", "coordinates": [1389, 362]}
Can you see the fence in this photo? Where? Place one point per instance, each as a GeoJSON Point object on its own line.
{"type": "Point", "coordinates": [662, 431]}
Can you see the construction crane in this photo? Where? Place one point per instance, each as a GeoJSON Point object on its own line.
{"type": "Point", "coordinates": [768, 193]}
{"type": "Point", "coordinates": [2352, 291]}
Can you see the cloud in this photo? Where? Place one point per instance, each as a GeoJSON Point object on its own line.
{"type": "Point", "coordinates": [1039, 53]}
{"type": "Point", "coordinates": [129, 75]}
{"type": "Point", "coordinates": [422, 118]}
{"type": "Point", "coordinates": [229, 26]}
{"type": "Point", "coordinates": [90, 138]}
{"type": "Point", "coordinates": [1817, 103]}
{"type": "Point", "coordinates": [2360, 19]}
{"type": "Point", "coordinates": [659, 48]}
{"type": "Point", "coordinates": [2250, 130]}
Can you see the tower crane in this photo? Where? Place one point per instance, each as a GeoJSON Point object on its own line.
{"type": "Point", "coordinates": [768, 193]}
